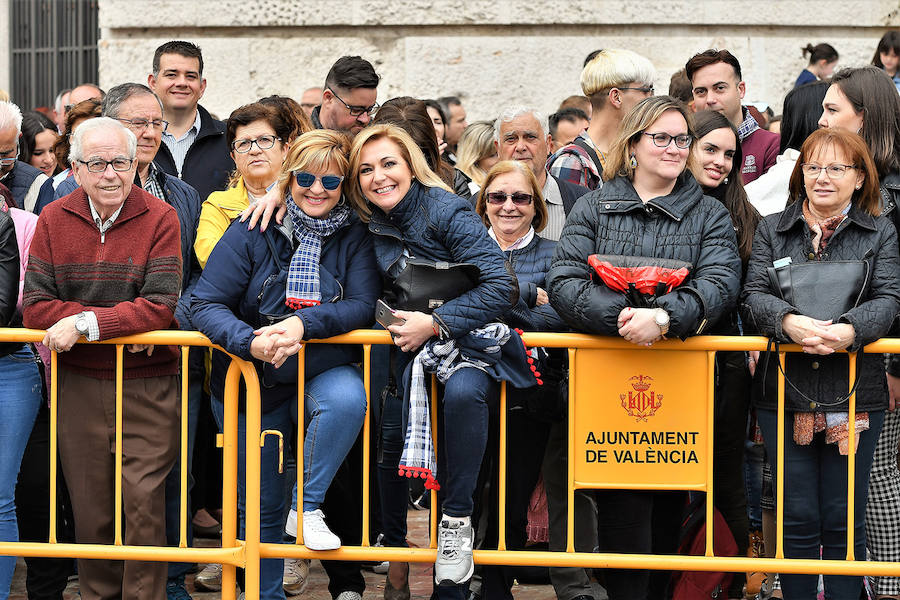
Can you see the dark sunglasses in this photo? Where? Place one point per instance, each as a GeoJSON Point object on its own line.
{"type": "Point", "coordinates": [329, 182]}
{"type": "Point", "coordinates": [519, 198]}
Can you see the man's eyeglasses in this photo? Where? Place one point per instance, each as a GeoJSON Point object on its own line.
{"type": "Point", "coordinates": [662, 140]}
{"type": "Point", "coordinates": [9, 157]}
{"type": "Point", "coordinates": [518, 198]}
{"type": "Point", "coordinates": [139, 124]}
{"type": "Point", "coordinates": [356, 111]}
{"type": "Point", "coordinates": [834, 171]}
{"type": "Point", "coordinates": [329, 182]}
{"type": "Point", "coordinates": [647, 89]}
{"type": "Point", "coordinates": [263, 142]}
{"type": "Point", "coordinates": [98, 165]}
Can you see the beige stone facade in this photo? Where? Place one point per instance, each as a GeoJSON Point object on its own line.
{"type": "Point", "coordinates": [490, 52]}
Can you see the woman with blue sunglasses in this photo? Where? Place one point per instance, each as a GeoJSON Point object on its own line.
{"type": "Point", "coordinates": [261, 295]}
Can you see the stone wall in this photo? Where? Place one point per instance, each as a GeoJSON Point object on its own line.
{"type": "Point", "coordinates": [490, 52]}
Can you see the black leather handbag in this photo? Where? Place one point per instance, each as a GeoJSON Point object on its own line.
{"type": "Point", "coordinates": [425, 285]}
{"type": "Point", "coordinates": [821, 289]}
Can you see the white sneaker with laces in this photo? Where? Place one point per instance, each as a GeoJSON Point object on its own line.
{"type": "Point", "coordinates": [296, 576]}
{"type": "Point", "coordinates": [454, 564]}
{"type": "Point", "coordinates": [316, 535]}
{"type": "Point", "coordinates": [348, 595]}
{"type": "Point", "coordinates": [290, 527]}
{"type": "Point", "coordinates": [209, 579]}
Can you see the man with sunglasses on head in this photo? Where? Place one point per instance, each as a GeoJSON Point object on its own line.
{"type": "Point", "coordinates": [348, 100]}
{"type": "Point", "coordinates": [615, 81]}
{"type": "Point", "coordinates": [194, 147]}
{"type": "Point", "coordinates": [28, 185]}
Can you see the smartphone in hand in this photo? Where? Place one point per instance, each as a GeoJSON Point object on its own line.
{"type": "Point", "coordinates": [385, 315]}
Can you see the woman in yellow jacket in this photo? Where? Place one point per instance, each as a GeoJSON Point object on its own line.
{"type": "Point", "coordinates": [259, 137]}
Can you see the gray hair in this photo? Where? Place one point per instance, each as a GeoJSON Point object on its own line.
{"type": "Point", "coordinates": [513, 112]}
{"type": "Point", "coordinates": [77, 140]}
{"type": "Point", "coordinates": [10, 116]}
{"type": "Point", "coordinates": [112, 102]}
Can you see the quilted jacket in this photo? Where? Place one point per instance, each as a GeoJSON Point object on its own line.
{"type": "Point", "coordinates": [684, 225]}
{"type": "Point", "coordinates": [433, 224]}
{"type": "Point", "coordinates": [531, 264]}
{"type": "Point", "coordinates": [823, 378]}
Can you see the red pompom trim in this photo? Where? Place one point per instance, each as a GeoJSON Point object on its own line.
{"type": "Point", "coordinates": [298, 303]}
{"type": "Point", "coordinates": [413, 472]}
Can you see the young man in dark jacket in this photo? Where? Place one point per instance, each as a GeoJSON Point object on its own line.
{"type": "Point", "coordinates": [194, 147]}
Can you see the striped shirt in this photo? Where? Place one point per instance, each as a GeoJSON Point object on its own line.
{"type": "Point", "coordinates": [179, 146]}
{"type": "Point", "coordinates": [556, 213]}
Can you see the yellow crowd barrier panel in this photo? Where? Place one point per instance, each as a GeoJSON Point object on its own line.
{"type": "Point", "coordinates": [232, 553]}
{"type": "Point", "coordinates": [639, 418]}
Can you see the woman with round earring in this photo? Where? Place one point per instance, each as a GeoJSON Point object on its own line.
{"type": "Point", "coordinates": [651, 205]}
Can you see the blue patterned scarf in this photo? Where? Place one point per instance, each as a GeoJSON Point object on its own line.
{"type": "Point", "coordinates": [303, 276]}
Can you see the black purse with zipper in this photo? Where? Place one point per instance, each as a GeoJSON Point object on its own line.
{"type": "Point", "coordinates": [424, 285]}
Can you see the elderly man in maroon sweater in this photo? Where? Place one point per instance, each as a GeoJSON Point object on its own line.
{"type": "Point", "coordinates": [106, 262]}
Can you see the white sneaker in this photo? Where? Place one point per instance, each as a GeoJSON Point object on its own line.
{"type": "Point", "coordinates": [290, 527]}
{"type": "Point", "coordinates": [454, 564]}
{"type": "Point", "coordinates": [316, 535]}
{"type": "Point", "coordinates": [348, 595]}
{"type": "Point", "coordinates": [296, 576]}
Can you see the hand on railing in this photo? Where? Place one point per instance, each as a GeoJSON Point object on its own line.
{"type": "Point", "coordinates": [276, 343]}
{"type": "Point", "coordinates": [62, 335]}
{"type": "Point", "coordinates": [638, 326]}
{"type": "Point", "coordinates": [542, 297]}
{"type": "Point", "coordinates": [135, 348]}
{"type": "Point", "coordinates": [816, 336]}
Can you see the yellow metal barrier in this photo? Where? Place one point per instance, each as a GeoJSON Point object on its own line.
{"type": "Point", "coordinates": [704, 349]}
{"type": "Point", "coordinates": [236, 553]}
{"type": "Point", "coordinates": [232, 553]}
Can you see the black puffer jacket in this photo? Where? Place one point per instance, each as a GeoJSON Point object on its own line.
{"type": "Point", "coordinates": [685, 225]}
{"type": "Point", "coordinates": [823, 378]}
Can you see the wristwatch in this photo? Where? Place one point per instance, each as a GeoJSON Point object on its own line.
{"type": "Point", "coordinates": [81, 323]}
{"type": "Point", "coordinates": [662, 321]}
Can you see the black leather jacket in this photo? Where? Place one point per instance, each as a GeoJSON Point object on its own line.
{"type": "Point", "coordinates": [823, 378]}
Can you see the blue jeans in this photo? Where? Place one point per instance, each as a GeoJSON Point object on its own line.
{"type": "Point", "coordinates": [20, 399]}
{"type": "Point", "coordinates": [815, 503]}
{"type": "Point", "coordinates": [335, 403]}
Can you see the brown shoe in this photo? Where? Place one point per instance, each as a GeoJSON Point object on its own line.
{"type": "Point", "coordinates": [755, 579]}
{"type": "Point", "coordinates": [392, 593]}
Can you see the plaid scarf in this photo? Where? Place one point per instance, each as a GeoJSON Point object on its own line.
{"type": "Point", "coordinates": [303, 275]}
{"type": "Point", "coordinates": [443, 358]}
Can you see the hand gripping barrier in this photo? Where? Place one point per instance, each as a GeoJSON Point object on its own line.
{"type": "Point", "coordinates": [656, 397]}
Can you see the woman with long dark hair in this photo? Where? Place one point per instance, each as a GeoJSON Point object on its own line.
{"type": "Point", "coordinates": [864, 100]}
{"type": "Point", "coordinates": [717, 150]}
{"type": "Point", "coordinates": [887, 56]}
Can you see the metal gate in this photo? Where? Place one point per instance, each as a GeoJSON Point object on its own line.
{"type": "Point", "coordinates": [53, 46]}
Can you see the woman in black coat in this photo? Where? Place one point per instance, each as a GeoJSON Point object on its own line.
{"type": "Point", "coordinates": [833, 217]}
{"type": "Point", "coordinates": [650, 206]}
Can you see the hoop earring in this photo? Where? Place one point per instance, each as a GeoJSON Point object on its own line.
{"type": "Point", "coordinates": [633, 162]}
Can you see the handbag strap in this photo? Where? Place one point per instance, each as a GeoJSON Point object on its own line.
{"type": "Point", "coordinates": [840, 399]}
{"type": "Point", "coordinates": [272, 250]}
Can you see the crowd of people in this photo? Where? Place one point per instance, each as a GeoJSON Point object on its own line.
{"type": "Point", "coordinates": [135, 209]}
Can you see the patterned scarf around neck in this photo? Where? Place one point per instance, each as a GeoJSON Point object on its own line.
{"type": "Point", "coordinates": [835, 424]}
{"type": "Point", "coordinates": [303, 276]}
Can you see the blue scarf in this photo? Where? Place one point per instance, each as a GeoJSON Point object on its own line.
{"type": "Point", "coordinates": [303, 275]}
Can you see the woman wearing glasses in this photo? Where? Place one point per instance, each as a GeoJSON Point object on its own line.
{"type": "Point", "coordinates": [263, 293]}
{"type": "Point", "coordinates": [649, 206]}
{"type": "Point", "coordinates": [259, 139]}
{"type": "Point", "coordinates": [833, 216]}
